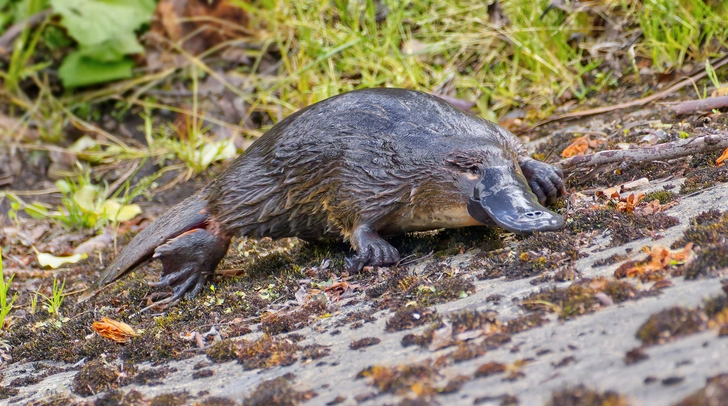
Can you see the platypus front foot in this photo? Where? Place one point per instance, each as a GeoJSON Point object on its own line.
{"type": "Point", "coordinates": [545, 180]}
{"type": "Point", "coordinates": [188, 262]}
{"type": "Point", "coordinates": [371, 250]}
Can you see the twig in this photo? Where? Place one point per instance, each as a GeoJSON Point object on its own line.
{"type": "Point", "coordinates": [700, 105]}
{"type": "Point", "coordinates": [669, 150]}
{"type": "Point", "coordinates": [639, 102]}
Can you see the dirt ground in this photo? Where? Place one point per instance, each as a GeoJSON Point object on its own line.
{"type": "Point", "coordinates": [625, 306]}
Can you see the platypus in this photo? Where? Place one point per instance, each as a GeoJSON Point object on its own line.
{"type": "Point", "coordinates": [356, 167]}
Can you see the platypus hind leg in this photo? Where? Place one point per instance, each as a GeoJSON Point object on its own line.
{"type": "Point", "coordinates": [189, 261]}
{"type": "Point", "coordinates": [371, 250]}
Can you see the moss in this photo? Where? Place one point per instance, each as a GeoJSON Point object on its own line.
{"type": "Point", "coordinates": [710, 262]}
{"type": "Point", "coordinates": [491, 368]}
{"type": "Point", "coordinates": [223, 351]}
{"type": "Point", "coordinates": [444, 290]}
{"type": "Point", "coordinates": [670, 324]}
{"type": "Point", "coordinates": [663, 196]}
{"type": "Point", "coordinates": [216, 401]}
{"type": "Point", "coordinates": [278, 323]}
{"type": "Point", "coordinates": [703, 178]}
{"type": "Point", "coordinates": [118, 398]}
{"type": "Point", "coordinates": [524, 323]}
{"type": "Point", "coordinates": [610, 260]}
{"type": "Point", "coordinates": [8, 392]}
{"type": "Point", "coordinates": [170, 399]}
{"type": "Point", "coordinates": [153, 376]}
{"type": "Point", "coordinates": [364, 342]}
{"type": "Point", "coordinates": [580, 297]}
{"type": "Point", "coordinates": [267, 352]}
{"type": "Point", "coordinates": [622, 227]}
{"type": "Point", "coordinates": [410, 317]}
{"type": "Point", "coordinates": [715, 392]}
{"type": "Point", "coordinates": [278, 391]}
{"type": "Point", "coordinates": [583, 396]}
{"type": "Point", "coordinates": [97, 376]}
{"type": "Point", "coordinates": [203, 373]}
{"type": "Point", "coordinates": [634, 356]}
{"type": "Point", "coordinates": [400, 379]}
{"type": "Point", "coordinates": [707, 228]}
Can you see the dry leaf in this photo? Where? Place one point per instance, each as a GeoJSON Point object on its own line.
{"type": "Point", "coordinates": [630, 203]}
{"type": "Point", "coordinates": [610, 193]}
{"type": "Point", "coordinates": [721, 159]}
{"type": "Point", "coordinates": [578, 147]}
{"type": "Point", "coordinates": [114, 330]}
{"type": "Point", "coordinates": [659, 260]}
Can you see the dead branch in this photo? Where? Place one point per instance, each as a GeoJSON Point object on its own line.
{"type": "Point", "coordinates": [668, 150]}
{"type": "Point", "coordinates": [700, 105]}
{"type": "Point", "coordinates": [639, 102]}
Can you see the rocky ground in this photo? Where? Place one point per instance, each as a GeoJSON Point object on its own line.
{"type": "Point", "coordinates": [601, 313]}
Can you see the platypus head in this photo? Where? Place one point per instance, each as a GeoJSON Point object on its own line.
{"type": "Point", "coordinates": [502, 196]}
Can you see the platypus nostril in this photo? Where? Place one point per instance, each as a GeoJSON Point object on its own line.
{"type": "Point", "coordinates": [534, 214]}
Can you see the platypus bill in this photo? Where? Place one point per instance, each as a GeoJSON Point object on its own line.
{"type": "Point", "coordinates": [357, 166]}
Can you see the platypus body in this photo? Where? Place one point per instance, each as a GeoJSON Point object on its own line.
{"type": "Point", "coordinates": [357, 166]}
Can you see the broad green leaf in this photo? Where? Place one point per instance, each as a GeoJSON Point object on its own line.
{"type": "Point", "coordinates": [113, 49]}
{"type": "Point", "coordinates": [77, 70]}
{"type": "Point", "coordinates": [95, 21]}
{"type": "Point", "coordinates": [45, 259]}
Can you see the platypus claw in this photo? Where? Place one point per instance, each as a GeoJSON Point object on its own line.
{"type": "Point", "coordinates": [545, 180]}
{"type": "Point", "coordinates": [188, 262]}
{"type": "Point", "coordinates": [373, 251]}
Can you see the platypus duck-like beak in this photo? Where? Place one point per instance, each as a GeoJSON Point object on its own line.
{"type": "Point", "coordinates": [504, 197]}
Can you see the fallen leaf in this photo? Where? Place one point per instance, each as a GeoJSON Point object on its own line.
{"type": "Point", "coordinates": [659, 260]}
{"type": "Point", "coordinates": [628, 204]}
{"type": "Point", "coordinates": [578, 147]}
{"type": "Point", "coordinates": [45, 259]}
{"type": "Point", "coordinates": [721, 159]}
{"type": "Point", "coordinates": [114, 330]}
{"type": "Point", "coordinates": [94, 244]}
{"type": "Point", "coordinates": [610, 193]}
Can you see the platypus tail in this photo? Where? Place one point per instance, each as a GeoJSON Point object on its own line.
{"type": "Point", "coordinates": [181, 240]}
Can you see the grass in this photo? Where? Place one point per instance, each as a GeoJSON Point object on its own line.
{"type": "Point", "coordinates": [55, 300]}
{"type": "Point", "coordinates": [6, 304]}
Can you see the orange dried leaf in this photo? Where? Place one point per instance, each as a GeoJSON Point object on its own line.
{"type": "Point", "coordinates": [578, 147]}
{"type": "Point", "coordinates": [114, 330]}
{"type": "Point", "coordinates": [721, 159]}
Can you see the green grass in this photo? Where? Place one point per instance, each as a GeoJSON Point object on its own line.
{"type": "Point", "coordinates": [6, 303]}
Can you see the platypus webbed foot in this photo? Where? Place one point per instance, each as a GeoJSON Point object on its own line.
{"type": "Point", "coordinates": [545, 180]}
{"type": "Point", "coordinates": [371, 250]}
{"type": "Point", "coordinates": [189, 261]}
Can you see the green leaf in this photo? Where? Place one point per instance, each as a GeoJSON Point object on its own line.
{"type": "Point", "coordinates": [77, 70]}
{"type": "Point", "coordinates": [36, 210]}
{"type": "Point", "coordinates": [93, 22]}
{"type": "Point", "coordinates": [114, 49]}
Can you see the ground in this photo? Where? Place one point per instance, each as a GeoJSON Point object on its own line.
{"type": "Point", "coordinates": [602, 312]}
